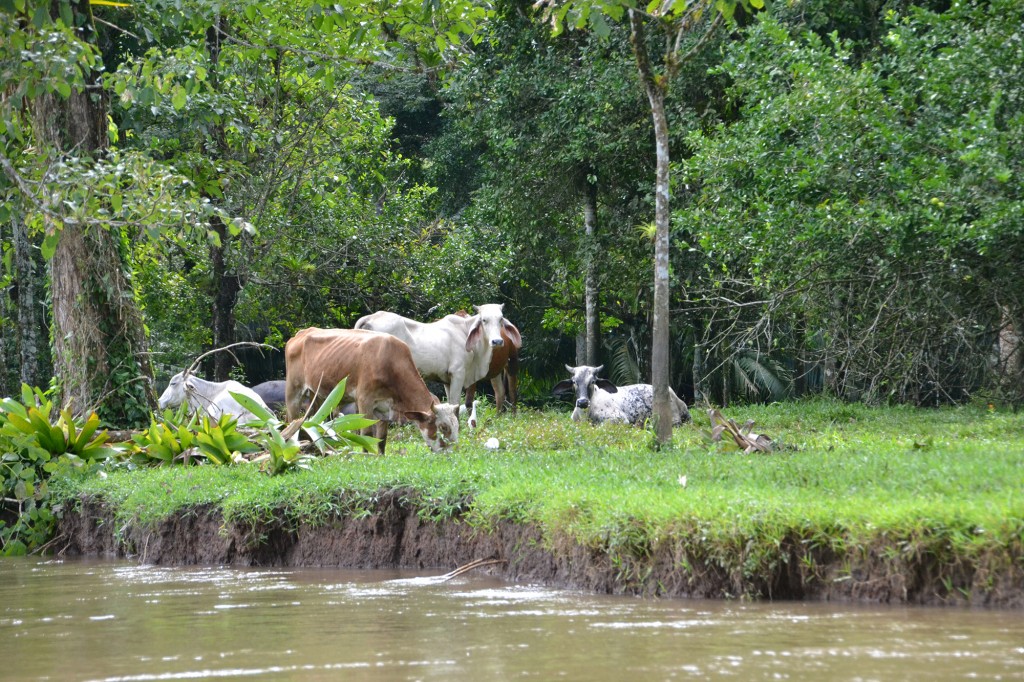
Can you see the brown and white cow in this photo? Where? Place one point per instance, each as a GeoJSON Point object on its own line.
{"type": "Point", "coordinates": [382, 381]}
{"type": "Point", "coordinates": [454, 350]}
{"type": "Point", "coordinates": [503, 372]}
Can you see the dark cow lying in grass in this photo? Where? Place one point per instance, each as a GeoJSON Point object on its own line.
{"type": "Point", "coordinates": [272, 393]}
{"type": "Point", "coordinates": [603, 401]}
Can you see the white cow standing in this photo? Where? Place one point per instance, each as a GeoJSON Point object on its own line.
{"type": "Point", "coordinates": [209, 397]}
{"type": "Point", "coordinates": [454, 350]}
{"type": "Point", "coordinates": [602, 401]}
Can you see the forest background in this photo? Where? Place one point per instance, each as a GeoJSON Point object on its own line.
{"type": "Point", "coordinates": [847, 212]}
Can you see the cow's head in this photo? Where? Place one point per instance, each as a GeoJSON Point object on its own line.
{"type": "Point", "coordinates": [440, 426]}
{"type": "Point", "coordinates": [583, 383]}
{"type": "Point", "coordinates": [174, 394]}
{"type": "Point", "coordinates": [487, 326]}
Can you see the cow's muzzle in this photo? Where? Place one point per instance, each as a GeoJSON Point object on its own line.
{"type": "Point", "coordinates": [583, 403]}
{"type": "Point", "coordinates": [498, 342]}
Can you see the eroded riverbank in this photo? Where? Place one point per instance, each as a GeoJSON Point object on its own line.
{"type": "Point", "coordinates": [394, 534]}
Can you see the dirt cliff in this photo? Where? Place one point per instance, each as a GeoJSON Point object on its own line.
{"type": "Point", "coordinates": [394, 535]}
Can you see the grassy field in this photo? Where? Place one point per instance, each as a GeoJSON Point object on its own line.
{"type": "Point", "coordinates": [949, 482]}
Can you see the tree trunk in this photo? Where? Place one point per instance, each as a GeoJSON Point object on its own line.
{"type": "Point", "coordinates": [1011, 354]}
{"type": "Point", "coordinates": [226, 295]}
{"type": "Point", "coordinates": [6, 332]}
{"type": "Point", "coordinates": [30, 305]}
{"type": "Point", "coordinates": [99, 347]}
{"type": "Point", "coordinates": [660, 369]}
{"type": "Point", "coordinates": [593, 331]}
{"type": "Point", "coordinates": [581, 348]}
{"type": "Point", "coordinates": [227, 284]}
{"type": "Point", "coordinates": [700, 389]}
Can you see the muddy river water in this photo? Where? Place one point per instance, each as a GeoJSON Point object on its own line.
{"type": "Point", "coordinates": [113, 621]}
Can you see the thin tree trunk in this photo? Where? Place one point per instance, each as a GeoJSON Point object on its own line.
{"type": "Point", "coordinates": [1011, 354]}
{"type": "Point", "coordinates": [29, 305]}
{"type": "Point", "coordinates": [660, 369]}
{"type": "Point", "coordinates": [6, 333]}
{"type": "Point", "coordinates": [700, 390]}
{"type": "Point", "coordinates": [581, 348]}
{"type": "Point", "coordinates": [593, 331]}
{"type": "Point", "coordinates": [227, 284]}
{"type": "Point", "coordinates": [99, 346]}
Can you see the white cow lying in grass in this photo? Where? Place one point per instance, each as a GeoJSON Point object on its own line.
{"type": "Point", "coordinates": [209, 397]}
{"type": "Point", "coordinates": [603, 401]}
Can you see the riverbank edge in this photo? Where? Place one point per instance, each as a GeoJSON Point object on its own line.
{"type": "Point", "coordinates": [394, 535]}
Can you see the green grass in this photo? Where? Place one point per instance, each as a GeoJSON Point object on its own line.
{"type": "Point", "coordinates": [947, 480]}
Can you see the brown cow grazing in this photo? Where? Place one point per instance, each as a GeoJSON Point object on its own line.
{"type": "Point", "coordinates": [382, 381]}
{"type": "Point", "coordinates": [503, 372]}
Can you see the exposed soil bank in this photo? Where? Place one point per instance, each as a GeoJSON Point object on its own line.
{"type": "Point", "coordinates": [394, 536]}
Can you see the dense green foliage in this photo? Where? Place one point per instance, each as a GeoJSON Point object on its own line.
{"type": "Point", "coordinates": [897, 180]}
{"type": "Point", "coordinates": [271, 168]}
{"type": "Point", "coordinates": [843, 476]}
{"type": "Point", "coordinates": [847, 217]}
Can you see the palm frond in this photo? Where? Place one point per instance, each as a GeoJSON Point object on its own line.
{"type": "Point", "coordinates": [622, 366]}
{"type": "Point", "coordinates": [758, 377]}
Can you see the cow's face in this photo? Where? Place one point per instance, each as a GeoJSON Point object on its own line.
{"type": "Point", "coordinates": [487, 324]}
{"type": "Point", "coordinates": [440, 428]}
{"type": "Point", "coordinates": [583, 383]}
{"type": "Point", "coordinates": [174, 394]}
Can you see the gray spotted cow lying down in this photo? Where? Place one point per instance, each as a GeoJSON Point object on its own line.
{"type": "Point", "coordinates": [602, 401]}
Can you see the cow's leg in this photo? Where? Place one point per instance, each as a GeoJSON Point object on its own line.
{"type": "Point", "coordinates": [498, 384]}
{"type": "Point", "coordinates": [365, 407]}
{"type": "Point", "coordinates": [294, 391]}
{"type": "Point", "coordinates": [380, 432]}
{"type": "Point", "coordinates": [455, 387]}
{"type": "Point", "coordinates": [470, 394]}
{"type": "Point", "coordinates": [511, 375]}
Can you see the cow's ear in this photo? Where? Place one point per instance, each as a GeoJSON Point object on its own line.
{"type": "Point", "coordinates": [563, 387]}
{"type": "Point", "coordinates": [475, 334]}
{"type": "Point", "coordinates": [606, 385]}
{"type": "Point", "coordinates": [418, 417]}
{"type": "Point", "coordinates": [513, 333]}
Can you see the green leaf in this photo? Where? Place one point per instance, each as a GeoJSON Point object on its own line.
{"type": "Point", "coordinates": [41, 17]}
{"type": "Point", "coordinates": [351, 422]}
{"type": "Point", "coordinates": [256, 408]}
{"type": "Point", "coordinates": [49, 245]}
{"type": "Point", "coordinates": [367, 443]}
{"type": "Point", "coordinates": [178, 98]}
{"type": "Point", "coordinates": [332, 400]}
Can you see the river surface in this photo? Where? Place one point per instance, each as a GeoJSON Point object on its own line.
{"type": "Point", "coordinates": [114, 621]}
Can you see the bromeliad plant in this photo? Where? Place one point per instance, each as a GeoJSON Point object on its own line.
{"type": "Point", "coordinates": [33, 445]}
{"type": "Point", "coordinates": [27, 425]}
{"type": "Point", "coordinates": [219, 441]}
{"type": "Point", "coordinates": [326, 434]}
{"type": "Point", "coordinates": [169, 440]}
{"type": "Point", "coordinates": [176, 437]}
